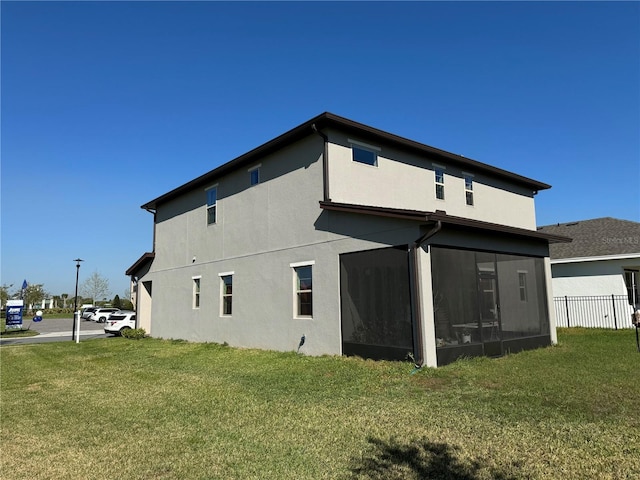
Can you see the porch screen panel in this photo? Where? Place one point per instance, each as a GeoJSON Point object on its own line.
{"type": "Point", "coordinates": [523, 305]}
{"type": "Point", "coordinates": [375, 303]}
{"type": "Point", "coordinates": [455, 293]}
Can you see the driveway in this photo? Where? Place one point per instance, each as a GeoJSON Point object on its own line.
{"type": "Point", "coordinates": [56, 330]}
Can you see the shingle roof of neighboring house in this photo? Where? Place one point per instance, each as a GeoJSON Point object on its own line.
{"type": "Point", "coordinates": [598, 237]}
{"type": "Point", "coordinates": [329, 120]}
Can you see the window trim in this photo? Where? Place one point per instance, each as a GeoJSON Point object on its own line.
{"type": "Point", "coordinates": [522, 285]}
{"type": "Point", "coordinates": [439, 168]}
{"type": "Point", "coordinates": [213, 206]}
{"type": "Point", "coordinates": [354, 144]}
{"type": "Point", "coordinates": [468, 190]}
{"type": "Point", "coordinates": [224, 295]}
{"type": "Point", "coordinates": [296, 291]}
{"type": "Point", "coordinates": [196, 292]}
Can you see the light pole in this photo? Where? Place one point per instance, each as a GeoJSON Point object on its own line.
{"type": "Point", "coordinates": [75, 298]}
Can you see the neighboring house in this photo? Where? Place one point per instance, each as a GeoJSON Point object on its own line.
{"type": "Point", "coordinates": [603, 260]}
{"type": "Point", "coordinates": [363, 242]}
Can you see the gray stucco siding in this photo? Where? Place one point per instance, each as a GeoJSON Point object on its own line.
{"type": "Point", "coordinates": [264, 295]}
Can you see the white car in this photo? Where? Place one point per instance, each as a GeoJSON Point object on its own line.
{"type": "Point", "coordinates": [86, 312]}
{"type": "Point", "coordinates": [120, 321]}
{"type": "Point", "coordinates": [100, 315]}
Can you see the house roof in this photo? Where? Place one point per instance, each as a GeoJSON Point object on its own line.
{"type": "Point", "coordinates": [329, 120]}
{"type": "Point", "coordinates": [599, 237]}
{"type": "Point", "coordinates": [440, 216]}
{"type": "Point", "coordinates": [140, 263]}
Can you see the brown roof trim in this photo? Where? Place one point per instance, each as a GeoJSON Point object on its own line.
{"type": "Point", "coordinates": [439, 216]}
{"type": "Point", "coordinates": [399, 213]}
{"type": "Point", "coordinates": [366, 132]}
{"type": "Point", "coordinates": [146, 257]}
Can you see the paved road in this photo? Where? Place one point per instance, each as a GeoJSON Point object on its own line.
{"type": "Point", "coordinates": [56, 330]}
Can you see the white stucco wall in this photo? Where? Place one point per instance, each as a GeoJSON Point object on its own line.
{"type": "Point", "coordinates": [588, 278]}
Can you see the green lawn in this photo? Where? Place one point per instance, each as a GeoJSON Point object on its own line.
{"type": "Point", "coordinates": [153, 409]}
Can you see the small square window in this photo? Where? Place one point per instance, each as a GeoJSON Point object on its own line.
{"type": "Point", "coordinates": [362, 155]}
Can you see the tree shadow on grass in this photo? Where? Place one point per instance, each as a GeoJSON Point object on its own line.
{"type": "Point", "coordinates": [420, 459]}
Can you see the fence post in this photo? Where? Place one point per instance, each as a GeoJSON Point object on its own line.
{"type": "Point", "coordinates": [566, 306]}
{"type": "Point", "coordinates": [615, 319]}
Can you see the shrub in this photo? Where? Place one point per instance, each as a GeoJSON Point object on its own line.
{"type": "Point", "coordinates": [134, 333]}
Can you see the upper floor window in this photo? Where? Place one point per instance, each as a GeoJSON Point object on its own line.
{"type": "Point", "coordinates": [212, 200]}
{"type": "Point", "coordinates": [226, 284]}
{"type": "Point", "coordinates": [254, 175]}
{"type": "Point", "coordinates": [196, 292]}
{"type": "Point", "coordinates": [439, 177]}
{"type": "Point", "coordinates": [363, 153]}
{"type": "Point", "coordinates": [468, 189]}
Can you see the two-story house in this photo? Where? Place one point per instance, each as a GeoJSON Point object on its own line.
{"type": "Point", "coordinates": [363, 242]}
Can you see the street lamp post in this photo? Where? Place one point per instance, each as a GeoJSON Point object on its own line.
{"type": "Point", "coordinates": [75, 298]}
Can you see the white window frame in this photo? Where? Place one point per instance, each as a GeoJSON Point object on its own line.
{"type": "Point", "coordinates": [439, 168]}
{"type": "Point", "coordinates": [522, 285]}
{"type": "Point", "coordinates": [367, 148]}
{"type": "Point", "coordinates": [197, 291]}
{"type": "Point", "coordinates": [254, 170]}
{"type": "Point", "coordinates": [468, 189]}
{"type": "Point", "coordinates": [224, 295]}
{"type": "Point", "coordinates": [213, 206]}
{"type": "Point", "coordinates": [296, 291]}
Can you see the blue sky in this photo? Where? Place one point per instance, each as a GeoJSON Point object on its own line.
{"type": "Point", "coordinates": [107, 105]}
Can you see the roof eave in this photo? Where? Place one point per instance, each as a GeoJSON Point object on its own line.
{"type": "Point", "coordinates": [327, 119]}
{"type": "Point", "coordinates": [439, 216]}
{"type": "Point", "coordinates": [146, 257]}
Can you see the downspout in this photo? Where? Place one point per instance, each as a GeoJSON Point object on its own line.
{"type": "Point", "coordinates": [152, 211]}
{"type": "Point", "coordinates": [415, 293]}
{"type": "Point", "coordinates": [325, 164]}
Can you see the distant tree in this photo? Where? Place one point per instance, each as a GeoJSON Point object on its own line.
{"type": "Point", "coordinates": [64, 297]}
{"type": "Point", "coordinates": [34, 294]}
{"type": "Point", "coordinates": [126, 304]}
{"type": "Point", "coordinates": [116, 303]}
{"type": "Point", "coordinates": [4, 293]}
{"type": "Point", "coordinates": [96, 286]}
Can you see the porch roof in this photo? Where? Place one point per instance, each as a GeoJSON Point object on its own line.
{"type": "Point", "coordinates": [441, 216]}
{"type": "Point", "coordinates": [146, 257]}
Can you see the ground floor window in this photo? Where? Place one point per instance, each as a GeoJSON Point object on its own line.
{"type": "Point", "coordinates": [303, 286]}
{"type": "Point", "coordinates": [631, 280]}
{"type": "Point", "coordinates": [196, 292]}
{"type": "Point", "coordinates": [483, 300]}
{"type": "Point", "coordinates": [226, 284]}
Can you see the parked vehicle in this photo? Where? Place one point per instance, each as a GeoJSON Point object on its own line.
{"type": "Point", "coordinates": [86, 312]}
{"type": "Point", "coordinates": [100, 315]}
{"type": "Point", "coordinates": [120, 321]}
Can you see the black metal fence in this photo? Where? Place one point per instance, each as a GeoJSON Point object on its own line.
{"type": "Point", "coordinates": [599, 311]}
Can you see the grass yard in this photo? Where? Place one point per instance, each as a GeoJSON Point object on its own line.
{"type": "Point", "coordinates": [155, 409]}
